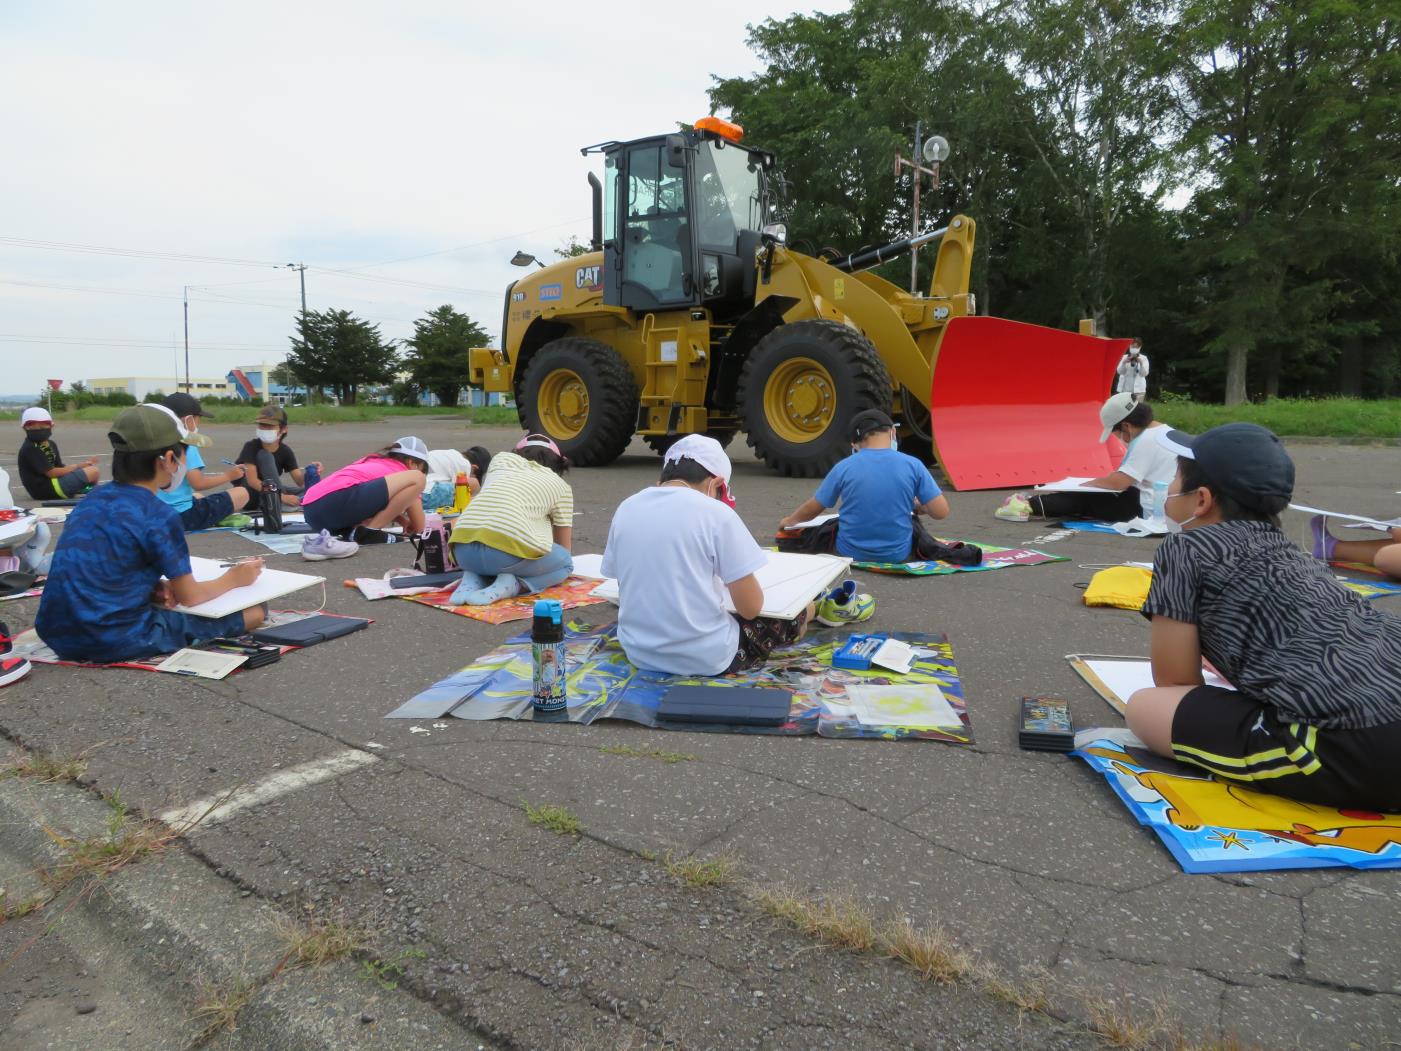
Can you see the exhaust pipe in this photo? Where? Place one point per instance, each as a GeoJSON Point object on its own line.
{"type": "Point", "coordinates": [597, 243]}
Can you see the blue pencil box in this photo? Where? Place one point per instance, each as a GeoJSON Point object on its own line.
{"type": "Point", "coordinates": [857, 651]}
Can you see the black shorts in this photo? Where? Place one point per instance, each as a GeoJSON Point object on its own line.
{"type": "Point", "coordinates": [347, 507]}
{"type": "Point", "coordinates": [1244, 740]}
{"type": "Point", "coordinates": [208, 512]}
{"type": "Point", "coordinates": [761, 636]}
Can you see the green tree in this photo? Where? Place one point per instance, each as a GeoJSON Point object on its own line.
{"type": "Point", "coordinates": [335, 349]}
{"type": "Point", "coordinates": [437, 358]}
{"type": "Point", "coordinates": [573, 248]}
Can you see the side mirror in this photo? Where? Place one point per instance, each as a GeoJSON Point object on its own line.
{"type": "Point", "coordinates": [676, 151]}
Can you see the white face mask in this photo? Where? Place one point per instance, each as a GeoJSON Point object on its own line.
{"type": "Point", "coordinates": [266, 436]}
{"type": "Point", "coordinates": [181, 469]}
{"type": "Point", "coordinates": [1173, 525]}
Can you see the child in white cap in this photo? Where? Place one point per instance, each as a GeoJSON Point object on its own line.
{"type": "Point", "coordinates": [676, 549]}
{"type": "Point", "coordinates": [42, 471]}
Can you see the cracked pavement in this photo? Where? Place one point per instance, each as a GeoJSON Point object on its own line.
{"type": "Point", "coordinates": [534, 940]}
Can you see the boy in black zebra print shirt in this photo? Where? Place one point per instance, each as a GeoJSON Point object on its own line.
{"type": "Point", "coordinates": [1316, 715]}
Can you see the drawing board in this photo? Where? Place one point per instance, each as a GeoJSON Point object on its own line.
{"type": "Point", "coordinates": [271, 584]}
{"type": "Point", "coordinates": [1116, 679]}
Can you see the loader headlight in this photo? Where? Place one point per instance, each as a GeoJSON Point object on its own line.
{"type": "Point", "coordinates": [774, 233]}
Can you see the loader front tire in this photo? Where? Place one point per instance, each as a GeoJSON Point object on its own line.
{"type": "Point", "coordinates": [581, 393]}
{"type": "Point", "coordinates": [660, 443]}
{"type": "Point", "coordinates": [799, 389]}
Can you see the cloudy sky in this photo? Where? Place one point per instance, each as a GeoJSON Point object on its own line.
{"type": "Point", "coordinates": [152, 146]}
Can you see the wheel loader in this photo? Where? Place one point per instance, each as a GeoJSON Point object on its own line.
{"type": "Point", "coordinates": [692, 314]}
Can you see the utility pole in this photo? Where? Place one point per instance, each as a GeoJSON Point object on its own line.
{"type": "Point", "coordinates": [186, 298]}
{"type": "Point", "coordinates": [301, 269]}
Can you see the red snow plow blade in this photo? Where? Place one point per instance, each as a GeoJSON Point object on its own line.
{"type": "Point", "coordinates": [1013, 404]}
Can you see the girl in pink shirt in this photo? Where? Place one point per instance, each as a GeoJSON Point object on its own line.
{"type": "Point", "coordinates": [376, 491]}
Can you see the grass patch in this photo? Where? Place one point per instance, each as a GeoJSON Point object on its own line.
{"type": "Point", "coordinates": [661, 755]}
{"type": "Point", "coordinates": [14, 910]}
{"type": "Point", "coordinates": [839, 923]}
{"type": "Point", "coordinates": [47, 769]}
{"type": "Point", "coordinates": [556, 819]}
{"type": "Point", "coordinates": [702, 872]}
{"type": "Point", "coordinates": [316, 941]}
{"type": "Point", "coordinates": [217, 1009]}
{"type": "Point", "coordinates": [1125, 1026]}
{"type": "Point", "coordinates": [1027, 995]}
{"type": "Point", "coordinates": [1292, 417]}
{"type": "Point", "coordinates": [485, 416]}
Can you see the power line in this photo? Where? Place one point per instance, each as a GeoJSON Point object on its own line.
{"type": "Point", "coordinates": [129, 253]}
{"type": "Point", "coordinates": [460, 248]}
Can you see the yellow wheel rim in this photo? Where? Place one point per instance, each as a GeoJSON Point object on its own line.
{"type": "Point", "coordinates": [800, 400]}
{"type": "Point", "coordinates": [563, 404]}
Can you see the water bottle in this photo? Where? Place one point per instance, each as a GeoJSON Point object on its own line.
{"type": "Point", "coordinates": [547, 660]}
{"type": "Point", "coordinates": [461, 494]}
{"type": "Point", "coordinates": [310, 477]}
{"type": "Point", "coordinates": [1159, 502]}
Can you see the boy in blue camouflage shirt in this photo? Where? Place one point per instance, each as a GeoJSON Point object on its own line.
{"type": "Point", "coordinates": [105, 600]}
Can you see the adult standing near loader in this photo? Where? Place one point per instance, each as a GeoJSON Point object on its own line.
{"type": "Point", "coordinates": [1133, 371]}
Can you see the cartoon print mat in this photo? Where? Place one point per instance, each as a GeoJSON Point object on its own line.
{"type": "Point", "coordinates": [993, 558]}
{"type": "Point", "coordinates": [602, 684]}
{"type": "Point", "coordinates": [1217, 826]}
{"type": "Point", "coordinates": [571, 593]}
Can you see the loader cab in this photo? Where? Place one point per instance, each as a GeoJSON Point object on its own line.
{"type": "Point", "coordinates": [680, 221]}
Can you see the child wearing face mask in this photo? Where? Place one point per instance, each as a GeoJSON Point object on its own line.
{"type": "Point", "coordinates": [268, 457]}
{"type": "Point", "coordinates": [105, 600]}
{"type": "Point", "coordinates": [42, 471]}
{"type": "Point", "coordinates": [1316, 713]}
{"type": "Point", "coordinates": [195, 511]}
{"type": "Point", "coordinates": [676, 549]}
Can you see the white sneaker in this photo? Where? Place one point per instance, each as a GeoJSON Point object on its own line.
{"type": "Point", "coordinates": [324, 546]}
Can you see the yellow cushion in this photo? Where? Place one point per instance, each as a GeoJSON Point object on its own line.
{"type": "Point", "coordinates": [1125, 587]}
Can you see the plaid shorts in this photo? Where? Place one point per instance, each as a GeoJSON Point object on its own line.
{"type": "Point", "coordinates": [761, 636]}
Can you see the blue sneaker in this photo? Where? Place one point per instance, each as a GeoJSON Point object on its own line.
{"type": "Point", "coordinates": [842, 606]}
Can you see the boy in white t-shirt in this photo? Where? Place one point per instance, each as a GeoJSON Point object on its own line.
{"type": "Point", "coordinates": [675, 550]}
{"type": "Point", "coordinates": [1128, 491]}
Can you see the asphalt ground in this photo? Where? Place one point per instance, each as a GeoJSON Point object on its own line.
{"type": "Point", "coordinates": [533, 940]}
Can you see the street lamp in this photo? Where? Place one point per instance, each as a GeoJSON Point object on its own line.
{"type": "Point", "coordinates": [935, 151]}
{"type": "Point", "coordinates": [525, 259]}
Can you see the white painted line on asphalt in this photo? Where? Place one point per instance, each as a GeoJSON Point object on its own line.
{"type": "Point", "coordinates": [222, 806]}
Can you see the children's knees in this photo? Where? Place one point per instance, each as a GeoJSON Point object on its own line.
{"type": "Point", "coordinates": [239, 496]}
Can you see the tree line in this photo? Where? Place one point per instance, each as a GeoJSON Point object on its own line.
{"type": "Point", "coordinates": [335, 350]}
{"type": "Point", "coordinates": [1219, 177]}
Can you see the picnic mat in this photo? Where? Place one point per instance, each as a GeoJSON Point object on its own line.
{"type": "Point", "coordinates": [1216, 826]}
{"type": "Point", "coordinates": [602, 684]}
{"type": "Point", "coordinates": [993, 558]}
{"type": "Point", "coordinates": [573, 592]}
{"type": "Point", "coordinates": [37, 589]}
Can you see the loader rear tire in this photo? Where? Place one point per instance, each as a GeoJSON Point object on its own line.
{"type": "Point", "coordinates": [581, 393]}
{"type": "Point", "coordinates": [799, 389]}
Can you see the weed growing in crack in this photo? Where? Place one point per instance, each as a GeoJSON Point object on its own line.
{"type": "Point", "coordinates": [930, 953]}
{"type": "Point", "coordinates": [217, 1009]}
{"type": "Point", "coordinates": [702, 872]}
{"type": "Point", "coordinates": [647, 753]}
{"type": "Point", "coordinates": [47, 769]}
{"type": "Point", "coordinates": [1027, 994]}
{"type": "Point", "coordinates": [836, 922]}
{"type": "Point", "coordinates": [556, 819]}
{"type": "Point", "coordinates": [14, 910]}
{"type": "Point", "coordinates": [388, 973]}
{"type": "Point", "coordinates": [318, 940]}
{"type": "Point", "coordinates": [127, 842]}
{"type": "Point", "coordinates": [1124, 1025]}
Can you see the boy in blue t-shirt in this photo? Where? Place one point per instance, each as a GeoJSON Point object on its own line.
{"type": "Point", "coordinates": [880, 490]}
{"type": "Point", "coordinates": [198, 512]}
{"type": "Point", "coordinates": [105, 600]}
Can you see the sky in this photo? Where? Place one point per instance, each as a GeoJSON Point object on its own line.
{"type": "Point", "coordinates": [402, 152]}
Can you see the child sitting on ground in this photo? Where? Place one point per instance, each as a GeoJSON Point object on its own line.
{"type": "Point", "coordinates": [1318, 669]}
{"type": "Point", "coordinates": [199, 512]}
{"type": "Point", "coordinates": [42, 471]}
{"type": "Point", "coordinates": [30, 556]}
{"type": "Point", "coordinates": [268, 457]}
{"type": "Point", "coordinates": [366, 497]}
{"type": "Point", "coordinates": [675, 550]}
{"type": "Point", "coordinates": [881, 491]}
{"type": "Point", "coordinates": [105, 600]}
{"type": "Point", "coordinates": [517, 532]}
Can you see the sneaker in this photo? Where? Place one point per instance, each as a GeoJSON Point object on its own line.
{"type": "Point", "coordinates": [12, 669]}
{"type": "Point", "coordinates": [365, 536]}
{"type": "Point", "coordinates": [842, 606]}
{"type": "Point", "coordinates": [323, 546]}
{"type": "Point", "coordinates": [1016, 508]}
